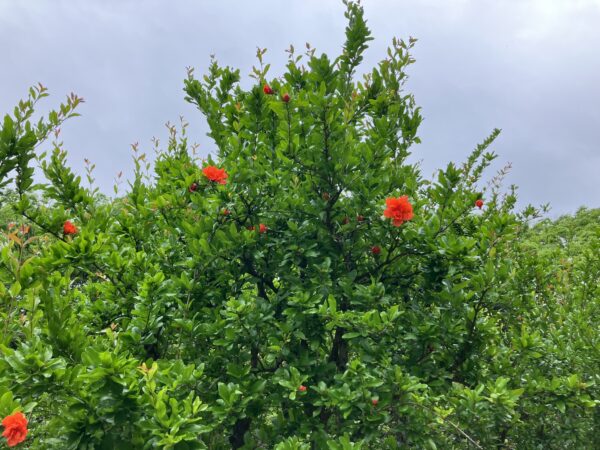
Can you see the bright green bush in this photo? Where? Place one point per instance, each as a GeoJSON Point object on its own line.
{"type": "Point", "coordinates": [557, 279]}
{"type": "Point", "coordinates": [282, 309]}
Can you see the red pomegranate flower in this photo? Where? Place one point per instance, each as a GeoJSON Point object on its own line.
{"type": "Point", "coordinates": [285, 97]}
{"type": "Point", "coordinates": [226, 212]}
{"type": "Point", "coordinates": [215, 174]}
{"type": "Point", "coordinates": [262, 228]}
{"type": "Point", "coordinates": [302, 388]}
{"type": "Point", "coordinates": [69, 228]}
{"type": "Point", "coordinates": [399, 209]}
{"type": "Point", "coordinates": [267, 89]}
{"type": "Point", "coordinates": [376, 249]}
{"type": "Point", "coordinates": [479, 203]}
{"type": "Point", "coordinates": [193, 187]}
{"type": "Point", "coordinates": [15, 429]}
{"type": "Point", "coordinates": [374, 402]}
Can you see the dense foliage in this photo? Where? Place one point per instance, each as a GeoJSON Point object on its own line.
{"type": "Point", "coordinates": [303, 288]}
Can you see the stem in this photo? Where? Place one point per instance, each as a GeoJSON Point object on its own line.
{"type": "Point", "coordinates": [455, 426]}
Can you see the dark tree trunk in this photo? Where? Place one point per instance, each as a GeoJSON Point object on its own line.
{"type": "Point", "coordinates": [339, 350]}
{"type": "Point", "coordinates": [239, 430]}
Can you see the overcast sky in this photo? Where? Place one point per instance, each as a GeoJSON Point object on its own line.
{"type": "Point", "coordinates": [530, 67]}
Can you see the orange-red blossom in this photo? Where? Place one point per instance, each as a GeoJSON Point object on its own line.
{"type": "Point", "coordinates": [398, 209]}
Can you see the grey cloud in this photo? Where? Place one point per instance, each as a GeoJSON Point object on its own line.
{"type": "Point", "coordinates": [529, 67]}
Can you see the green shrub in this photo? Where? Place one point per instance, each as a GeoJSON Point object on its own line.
{"type": "Point", "coordinates": [283, 306]}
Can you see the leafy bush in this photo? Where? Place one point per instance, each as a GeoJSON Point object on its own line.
{"type": "Point", "coordinates": [305, 287]}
